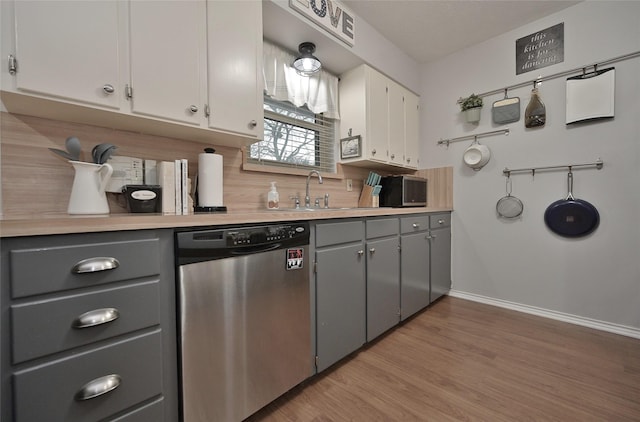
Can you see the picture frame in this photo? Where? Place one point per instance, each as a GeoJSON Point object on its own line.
{"type": "Point", "coordinates": [351, 147]}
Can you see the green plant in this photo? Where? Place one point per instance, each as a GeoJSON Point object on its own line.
{"type": "Point", "coordinates": [472, 101]}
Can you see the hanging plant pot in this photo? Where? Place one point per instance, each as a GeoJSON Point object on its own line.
{"type": "Point", "coordinates": [472, 115]}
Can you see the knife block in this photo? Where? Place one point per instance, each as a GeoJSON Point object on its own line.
{"type": "Point", "coordinates": [367, 200]}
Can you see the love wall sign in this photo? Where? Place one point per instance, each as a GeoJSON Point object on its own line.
{"type": "Point", "coordinates": [330, 15]}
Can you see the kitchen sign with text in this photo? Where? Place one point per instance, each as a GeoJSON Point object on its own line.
{"type": "Point", "coordinates": [541, 49]}
{"type": "Point", "coordinates": [330, 15]}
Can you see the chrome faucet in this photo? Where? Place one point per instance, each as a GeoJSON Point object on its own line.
{"type": "Point", "coordinates": [307, 198]}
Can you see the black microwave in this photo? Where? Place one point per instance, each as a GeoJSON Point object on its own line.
{"type": "Point", "coordinates": [403, 191]}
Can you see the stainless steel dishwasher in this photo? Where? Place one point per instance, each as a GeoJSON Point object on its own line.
{"type": "Point", "coordinates": [245, 323]}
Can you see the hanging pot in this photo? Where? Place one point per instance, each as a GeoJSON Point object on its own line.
{"type": "Point", "coordinates": [571, 217]}
{"type": "Point", "coordinates": [477, 155]}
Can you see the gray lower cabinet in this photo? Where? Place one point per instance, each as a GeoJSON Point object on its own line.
{"type": "Point", "coordinates": [340, 290]}
{"type": "Point", "coordinates": [383, 275]}
{"type": "Point", "coordinates": [88, 327]}
{"type": "Point", "coordinates": [440, 244]}
{"type": "Point", "coordinates": [414, 264]}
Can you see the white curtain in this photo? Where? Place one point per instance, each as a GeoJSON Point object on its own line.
{"type": "Point", "coordinates": [281, 82]}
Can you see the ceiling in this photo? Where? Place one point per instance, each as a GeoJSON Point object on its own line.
{"type": "Point", "coordinates": [427, 30]}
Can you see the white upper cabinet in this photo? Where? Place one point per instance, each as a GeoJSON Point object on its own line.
{"type": "Point", "coordinates": [376, 122]}
{"type": "Point", "coordinates": [412, 127]}
{"type": "Point", "coordinates": [396, 123]}
{"type": "Point", "coordinates": [69, 50]}
{"type": "Point", "coordinates": [234, 48]}
{"type": "Point", "coordinates": [168, 59]}
{"type": "Point", "coordinates": [384, 114]}
{"type": "Point", "coordinates": [189, 69]}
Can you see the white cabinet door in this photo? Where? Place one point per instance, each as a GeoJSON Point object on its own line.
{"type": "Point", "coordinates": [412, 130]}
{"type": "Point", "coordinates": [69, 50]}
{"type": "Point", "coordinates": [168, 59]}
{"type": "Point", "coordinates": [377, 136]}
{"type": "Point", "coordinates": [235, 67]}
{"type": "Point", "coordinates": [396, 123]}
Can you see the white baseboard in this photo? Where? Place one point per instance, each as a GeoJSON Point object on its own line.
{"type": "Point", "coordinates": [560, 316]}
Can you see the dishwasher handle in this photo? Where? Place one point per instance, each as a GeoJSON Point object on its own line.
{"type": "Point", "coordinates": [249, 250]}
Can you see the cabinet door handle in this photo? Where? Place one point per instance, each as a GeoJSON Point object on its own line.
{"type": "Point", "coordinates": [393, 156]}
{"type": "Point", "coordinates": [98, 387]}
{"type": "Point", "coordinates": [409, 160]}
{"type": "Point", "coordinates": [372, 251]}
{"type": "Point", "coordinates": [93, 265]}
{"type": "Point", "coordinates": [253, 124]}
{"type": "Point", "coordinates": [96, 317]}
{"type": "Point", "coordinates": [415, 225]}
{"type": "Point", "coordinates": [13, 64]}
{"type": "Point", "coordinates": [193, 108]}
{"type": "Point", "coordinates": [360, 252]}
{"type": "Point", "coordinates": [373, 152]}
{"type": "Point", "coordinates": [108, 89]}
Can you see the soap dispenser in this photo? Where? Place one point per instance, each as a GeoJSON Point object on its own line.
{"type": "Point", "coordinates": [273, 198]}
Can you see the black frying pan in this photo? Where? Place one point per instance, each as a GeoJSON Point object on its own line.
{"type": "Point", "coordinates": [571, 217]}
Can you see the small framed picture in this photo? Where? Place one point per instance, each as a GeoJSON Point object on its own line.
{"type": "Point", "coordinates": [351, 147]}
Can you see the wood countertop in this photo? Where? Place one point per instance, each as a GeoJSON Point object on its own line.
{"type": "Point", "coordinates": [48, 224]}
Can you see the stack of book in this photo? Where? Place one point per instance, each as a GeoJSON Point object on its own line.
{"type": "Point", "coordinates": [173, 177]}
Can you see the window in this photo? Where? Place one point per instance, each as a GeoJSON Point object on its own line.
{"type": "Point", "coordinates": [294, 137]}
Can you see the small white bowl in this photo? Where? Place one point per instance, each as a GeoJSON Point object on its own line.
{"type": "Point", "coordinates": [476, 156]}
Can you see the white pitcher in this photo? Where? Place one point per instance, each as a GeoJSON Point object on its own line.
{"type": "Point", "coordinates": [88, 191]}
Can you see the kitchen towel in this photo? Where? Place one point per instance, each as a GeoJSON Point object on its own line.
{"type": "Point", "coordinates": [210, 192]}
{"type": "Point", "coordinates": [591, 96]}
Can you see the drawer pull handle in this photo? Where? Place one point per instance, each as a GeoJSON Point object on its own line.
{"type": "Point", "coordinates": [441, 221]}
{"type": "Point", "coordinates": [93, 265]}
{"type": "Point", "coordinates": [415, 225]}
{"type": "Point", "coordinates": [98, 387]}
{"type": "Point", "coordinates": [96, 317]}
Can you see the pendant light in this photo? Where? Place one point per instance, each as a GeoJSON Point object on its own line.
{"type": "Point", "coordinates": [306, 64]}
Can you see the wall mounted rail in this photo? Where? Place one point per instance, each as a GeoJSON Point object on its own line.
{"type": "Point", "coordinates": [474, 137]}
{"type": "Point", "coordinates": [598, 164]}
{"type": "Point", "coordinates": [581, 69]}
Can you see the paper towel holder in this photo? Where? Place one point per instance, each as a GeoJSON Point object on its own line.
{"type": "Point", "coordinates": [205, 209]}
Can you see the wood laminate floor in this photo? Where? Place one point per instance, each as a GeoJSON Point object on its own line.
{"type": "Point", "coordinates": [465, 361]}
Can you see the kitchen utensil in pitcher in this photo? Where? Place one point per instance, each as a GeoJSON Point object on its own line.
{"type": "Point", "coordinates": [73, 147]}
{"type": "Point", "coordinates": [509, 206]}
{"type": "Point", "coordinates": [88, 191]}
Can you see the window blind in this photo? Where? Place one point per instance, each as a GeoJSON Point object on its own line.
{"type": "Point", "coordinates": [294, 137]}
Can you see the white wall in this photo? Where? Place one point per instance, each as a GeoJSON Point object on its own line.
{"type": "Point", "coordinates": [596, 277]}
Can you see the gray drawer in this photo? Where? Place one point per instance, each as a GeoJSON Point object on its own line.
{"type": "Point", "coordinates": [439, 220]}
{"type": "Point", "coordinates": [49, 269]}
{"type": "Point", "coordinates": [381, 227]}
{"type": "Point", "coordinates": [45, 327]}
{"type": "Point", "coordinates": [340, 232]}
{"type": "Point", "coordinates": [47, 392]}
{"type": "Point", "coordinates": [152, 412]}
{"type": "Point", "coordinates": [414, 223]}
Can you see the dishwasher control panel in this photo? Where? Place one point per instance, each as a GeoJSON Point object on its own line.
{"type": "Point", "coordinates": [261, 235]}
{"type": "Point", "coordinates": [220, 242]}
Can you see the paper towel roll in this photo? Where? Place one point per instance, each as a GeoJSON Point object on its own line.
{"type": "Point", "coordinates": [210, 191]}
